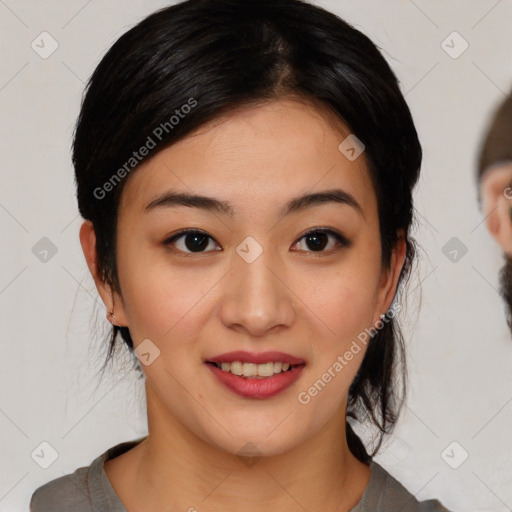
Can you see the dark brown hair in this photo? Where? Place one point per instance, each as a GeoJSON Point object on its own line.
{"type": "Point", "coordinates": [496, 145]}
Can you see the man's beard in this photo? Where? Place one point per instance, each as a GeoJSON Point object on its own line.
{"type": "Point", "coordinates": [505, 282]}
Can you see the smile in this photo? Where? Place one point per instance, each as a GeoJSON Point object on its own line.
{"type": "Point", "coordinates": [256, 371]}
{"type": "Point", "coordinates": [256, 375]}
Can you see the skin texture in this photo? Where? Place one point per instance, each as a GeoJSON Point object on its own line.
{"type": "Point", "coordinates": [291, 299]}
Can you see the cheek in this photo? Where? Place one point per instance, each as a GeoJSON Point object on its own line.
{"type": "Point", "coordinates": [347, 303]}
{"type": "Point", "coordinates": [343, 315]}
{"type": "Point", "coordinates": [344, 304]}
{"type": "Point", "coordinates": [159, 299]}
{"type": "Point", "coordinates": [345, 296]}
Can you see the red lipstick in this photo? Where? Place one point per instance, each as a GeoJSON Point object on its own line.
{"type": "Point", "coordinates": [255, 357]}
{"type": "Point", "coordinates": [256, 387]}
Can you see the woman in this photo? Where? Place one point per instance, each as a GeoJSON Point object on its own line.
{"type": "Point", "coordinates": [245, 172]}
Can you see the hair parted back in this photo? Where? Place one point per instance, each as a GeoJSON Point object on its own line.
{"type": "Point", "coordinates": [233, 53]}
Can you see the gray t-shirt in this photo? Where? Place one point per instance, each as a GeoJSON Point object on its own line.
{"type": "Point", "coordinates": [88, 489]}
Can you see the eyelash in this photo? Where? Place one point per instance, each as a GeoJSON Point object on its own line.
{"type": "Point", "coordinates": [343, 242]}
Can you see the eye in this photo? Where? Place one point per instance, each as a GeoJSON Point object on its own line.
{"type": "Point", "coordinates": [317, 239]}
{"type": "Point", "coordinates": [194, 241]}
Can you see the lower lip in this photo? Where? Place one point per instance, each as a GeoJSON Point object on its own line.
{"type": "Point", "coordinates": [257, 388]}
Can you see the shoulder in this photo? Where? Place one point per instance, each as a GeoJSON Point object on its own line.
{"type": "Point", "coordinates": [67, 493]}
{"type": "Point", "coordinates": [384, 493]}
{"type": "Point", "coordinates": [86, 490]}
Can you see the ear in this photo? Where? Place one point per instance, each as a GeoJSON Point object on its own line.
{"type": "Point", "coordinates": [111, 299]}
{"type": "Point", "coordinates": [496, 192]}
{"type": "Point", "coordinates": [390, 276]}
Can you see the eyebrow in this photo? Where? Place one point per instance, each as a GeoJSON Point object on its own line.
{"type": "Point", "coordinates": [300, 203]}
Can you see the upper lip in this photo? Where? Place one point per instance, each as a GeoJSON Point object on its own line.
{"type": "Point", "coordinates": [255, 357]}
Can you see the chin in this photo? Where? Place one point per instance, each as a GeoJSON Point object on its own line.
{"type": "Point", "coordinates": [257, 444]}
{"type": "Point", "coordinates": [264, 445]}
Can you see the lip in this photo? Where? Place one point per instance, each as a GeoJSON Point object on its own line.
{"type": "Point", "coordinates": [256, 358]}
{"type": "Point", "coordinates": [257, 388]}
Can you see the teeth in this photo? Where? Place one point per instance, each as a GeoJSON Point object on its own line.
{"type": "Point", "coordinates": [250, 370]}
{"type": "Point", "coordinates": [265, 370]}
{"type": "Point", "coordinates": [254, 370]}
{"type": "Point", "coordinates": [236, 367]}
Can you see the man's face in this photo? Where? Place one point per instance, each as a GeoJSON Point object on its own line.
{"type": "Point", "coordinates": [496, 187]}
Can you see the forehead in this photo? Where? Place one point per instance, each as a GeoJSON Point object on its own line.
{"type": "Point", "coordinates": [255, 157]}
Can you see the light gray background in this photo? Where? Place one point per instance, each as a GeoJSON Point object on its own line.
{"type": "Point", "coordinates": [459, 347]}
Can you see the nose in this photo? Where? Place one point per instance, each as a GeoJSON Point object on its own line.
{"type": "Point", "coordinates": [257, 298]}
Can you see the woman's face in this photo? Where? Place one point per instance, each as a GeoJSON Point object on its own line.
{"type": "Point", "coordinates": [251, 281]}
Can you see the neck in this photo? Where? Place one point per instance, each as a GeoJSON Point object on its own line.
{"type": "Point", "coordinates": [174, 466]}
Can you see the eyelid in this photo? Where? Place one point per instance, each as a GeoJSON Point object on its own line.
{"type": "Point", "coordinates": [342, 240]}
{"type": "Point", "coordinates": [187, 231]}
